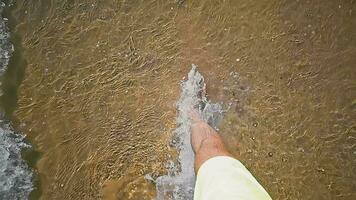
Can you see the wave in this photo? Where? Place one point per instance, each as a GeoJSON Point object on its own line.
{"type": "Point", "coordinates": [15, 175]}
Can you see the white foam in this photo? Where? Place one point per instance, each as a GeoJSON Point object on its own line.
{"type": "Point", "coordinates": [15, 176]}
{"type": "Point", "coordinates": [6, 48]}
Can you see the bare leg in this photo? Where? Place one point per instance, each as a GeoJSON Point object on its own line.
{"type": "Point", "coordinates": [206, 142]}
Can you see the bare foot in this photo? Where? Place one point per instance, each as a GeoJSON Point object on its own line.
{"type": "Point", "coordinates": [206, 142]}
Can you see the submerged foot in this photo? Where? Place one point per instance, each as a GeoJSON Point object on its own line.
{"type": "Point", "coordinates": [206, 142]}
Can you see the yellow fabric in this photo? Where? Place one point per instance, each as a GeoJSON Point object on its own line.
{"type": "Point", "coordinates": [225, 178]}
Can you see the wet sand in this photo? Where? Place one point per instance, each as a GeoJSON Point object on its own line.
{"type": "Point", "coordinates": [102, 77]}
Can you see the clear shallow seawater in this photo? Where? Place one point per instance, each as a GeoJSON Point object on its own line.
{"type": "Point", "coordinates": [15, 176]}
{"type": "Point", "coordinates": [102, 79]}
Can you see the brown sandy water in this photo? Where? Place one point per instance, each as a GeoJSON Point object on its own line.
{"type": "Point", "coordinates": [102, 77]}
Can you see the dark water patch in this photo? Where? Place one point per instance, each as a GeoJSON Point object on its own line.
{"type": "Point", "coordinates": [31, 156]}
{"type": "Point", "coordinates": [14, 74]}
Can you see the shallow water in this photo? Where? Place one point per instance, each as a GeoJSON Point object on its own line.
{"type": "Point", "coordinates": [103, 77]}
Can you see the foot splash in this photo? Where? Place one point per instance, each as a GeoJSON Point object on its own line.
{"type": "Point", "coordinates": [178, 184]}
